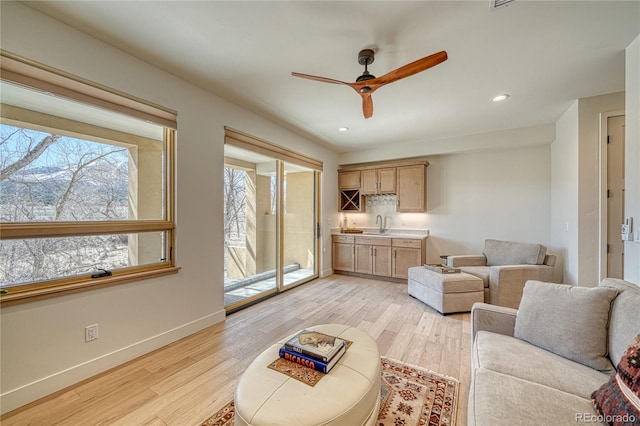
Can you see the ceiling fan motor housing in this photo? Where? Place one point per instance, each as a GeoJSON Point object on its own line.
{"type": "Point", "coordinates": [366, 57]}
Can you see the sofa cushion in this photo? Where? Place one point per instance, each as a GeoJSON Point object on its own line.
{"type": "Point", "coordinates": [567, 320]}
{"type": "Point", "coordinates": [511, 253]}
{"type": "Point", "coordinates": [500, 399]}
{"type": "Point", "coordinates": [625, 320]}
{"type": "Point", "coordinates": [619, 398]}
{"type": "Point", "coordinates": [515, 357]}
{"type": "Point", "coordinates": [478, 271]}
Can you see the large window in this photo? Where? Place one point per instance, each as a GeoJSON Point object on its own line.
{"type": "Point", "coordinates": [86, 193]}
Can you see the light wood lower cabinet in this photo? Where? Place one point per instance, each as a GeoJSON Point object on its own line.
{"type": "Point", "coordinates": [406, 254]}
{"type": "Point", "coordinates": [379, 256]}
{"type": "Point", "coordinates": [343, 258]}
{"type": "Point", "coordinates": [373, 256]}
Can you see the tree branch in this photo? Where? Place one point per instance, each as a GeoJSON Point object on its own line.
{"type": "Point", "coordinates": [29, 157]}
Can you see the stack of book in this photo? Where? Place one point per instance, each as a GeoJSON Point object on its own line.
{"type": "Point", "coordinates": [314, 350]}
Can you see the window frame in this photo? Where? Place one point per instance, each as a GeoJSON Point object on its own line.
{"type": "Point", "coordinates": [27, 73]}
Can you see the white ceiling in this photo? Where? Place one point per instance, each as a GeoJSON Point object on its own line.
{"type": "Point", "coordinates": [544, 54]}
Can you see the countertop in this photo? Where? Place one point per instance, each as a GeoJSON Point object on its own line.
{"type": "Point", "coordinates": [387, 234]}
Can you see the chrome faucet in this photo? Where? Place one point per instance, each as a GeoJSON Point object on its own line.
{"type": "Point", "coordinates": [379, 219]}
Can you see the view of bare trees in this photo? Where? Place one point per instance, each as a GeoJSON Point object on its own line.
{"type": "Point", "coordinates": [50, 178]}
{"type": "Point", "coordinates": [235, 199]}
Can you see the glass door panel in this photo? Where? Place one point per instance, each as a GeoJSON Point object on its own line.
{"type": "Point", "coordinates": [250, 227]}
{"type": "Point", "coordinates": [299, 248]}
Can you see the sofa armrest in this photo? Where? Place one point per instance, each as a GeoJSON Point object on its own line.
{"type": "Point", "coordinates": [466, 260]}
{"type": "Point", "coordinates": [550, 260]}
{"type": "Point", "coordinates": [506, 282]}
{"type": "Point", "coordinates": [496, 319]}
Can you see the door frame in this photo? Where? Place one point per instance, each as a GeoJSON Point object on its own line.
{"type": "Point", "coordinates": [602, 181]}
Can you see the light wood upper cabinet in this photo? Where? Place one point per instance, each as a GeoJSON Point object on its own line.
{"type": "Point", "coordinates": [411, 194]}
{"type": "Point", "coordinates": [369, 182]}
{"type": "Point", "coordinates": [404, 178]}
{"type": "Point", "coordinates": [387, 181]}
{"type": "Point", "coordinates": [349, 179]}
{"type": "Point", "coordinates": [379, 181]}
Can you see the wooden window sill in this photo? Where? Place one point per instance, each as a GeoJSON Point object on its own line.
{"type": "Point", "coordinates": [39, 292]}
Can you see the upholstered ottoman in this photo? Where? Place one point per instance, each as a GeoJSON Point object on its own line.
{"type": "Point", "coordinates": [348, 395]}
{"type": "Point", "coordinates": [446, 293]}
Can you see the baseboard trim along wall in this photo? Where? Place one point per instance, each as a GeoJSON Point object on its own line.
{"type": "Point", "coordinates": [33, 391]}
{"type": "Point", "coordinates": [327, 272]}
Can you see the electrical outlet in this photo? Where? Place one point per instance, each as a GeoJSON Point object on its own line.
{"type": "Point", "coordinates": [91, 332]}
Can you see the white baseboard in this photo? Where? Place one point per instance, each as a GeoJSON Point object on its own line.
{"type": "Point", "coordinates": [37, 389]}
{"type": "Point", "coordinates": [326, 273]}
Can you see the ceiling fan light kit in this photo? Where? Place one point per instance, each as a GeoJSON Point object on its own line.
{"type": "Point", "coordinates": [367, 83]}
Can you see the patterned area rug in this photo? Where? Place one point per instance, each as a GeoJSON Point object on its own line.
{"type": "Point", "coordinates": [409, 396]}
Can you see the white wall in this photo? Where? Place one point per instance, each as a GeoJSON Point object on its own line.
{"type": "Point", "coordinates": [564, 195]}
{"type": "Point", "coordinates": [504, 139]}
{"type": "Point", "coordinates": [43, 346]}
{"type": "Point", "coordinates": [472, 196]}
{"type": "Point", "coordinates": [632, 155]}
{"type": "Point", "coordinates": [491, 194]}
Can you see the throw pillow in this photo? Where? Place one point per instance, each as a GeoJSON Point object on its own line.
{"type": "Point", "coordinates": [618, 400]}
{"type": "Point", "coordinates": [567, 320]}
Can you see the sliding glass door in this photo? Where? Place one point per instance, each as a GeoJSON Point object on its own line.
{"type": "Point", "coordinates": [270, 221]}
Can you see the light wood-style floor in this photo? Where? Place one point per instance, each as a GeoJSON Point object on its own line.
{"type": "Point", "coordinates": [186, 382]}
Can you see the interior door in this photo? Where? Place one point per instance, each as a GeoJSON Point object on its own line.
{"type": "Point", "coordinates": [615, 195]}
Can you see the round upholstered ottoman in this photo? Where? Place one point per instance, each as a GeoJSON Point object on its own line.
{"type": "Point", "coordinates": [348, 395]}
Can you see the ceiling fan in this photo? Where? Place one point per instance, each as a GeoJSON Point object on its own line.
{"type": "Point", "coordinates": [367, 83]}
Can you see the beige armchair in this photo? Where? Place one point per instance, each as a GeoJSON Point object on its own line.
{"type": "Point", "coordinates": [505, 267]}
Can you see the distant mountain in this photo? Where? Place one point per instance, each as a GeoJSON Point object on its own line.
{"type": "Point", "coordinates": [45, 185]}
{"type": "Point", "coordinates": [41, 170]}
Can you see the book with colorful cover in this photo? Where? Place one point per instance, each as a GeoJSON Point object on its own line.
{"type": "Point", "coordinates": [310, 362]}
{"type": "Point", "coordinates": [314, 344]}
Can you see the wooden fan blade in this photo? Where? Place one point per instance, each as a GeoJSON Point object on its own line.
{"type": "Point", "coordinates": [316, 78]}
{"type": "Point", "coordinates": [410, 69]}
{"type": "Point", "coordinates": [367, 105]}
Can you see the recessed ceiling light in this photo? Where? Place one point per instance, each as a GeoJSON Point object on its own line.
{"type": "Point", "coordinates": [500, 98]}
{"type": "Point", "coordinates": [343, 129]}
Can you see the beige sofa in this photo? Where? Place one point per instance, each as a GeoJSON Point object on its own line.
{"type": "Point", "coordinates": [540, 364]}
{"type": "Point", "coordinates": [504, 267]}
